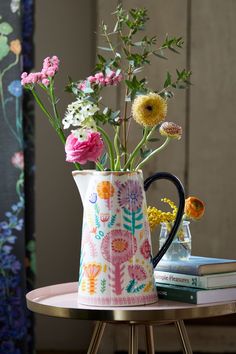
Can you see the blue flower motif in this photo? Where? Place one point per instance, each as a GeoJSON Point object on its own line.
{"type": "Point", "coordinates": [15, 88]}
{"type": "Point", "coordinates": [93, 198]}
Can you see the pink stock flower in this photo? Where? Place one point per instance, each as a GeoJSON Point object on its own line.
{"type": "Point", "coordinates": [45, 82]}
{"type": "Point", "coordinates": [83, 147]}
{"type": "Point", "coordinates": [102, 80]}
{"type": "Point", "coordinates": [49, 70]}
{"type": "Point", "coordinates": [18, 160]}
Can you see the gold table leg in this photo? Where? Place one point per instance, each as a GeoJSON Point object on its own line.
{"type": "Point", "coordinates": [96, 338]}
{"type": "Point", "coordinates": [184, 337]}
{"type": "Point", "coordinates": [149, 339]}
{"type": "Point", "coordinates": [133, 339]}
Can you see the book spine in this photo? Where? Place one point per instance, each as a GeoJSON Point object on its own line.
{"type": "Point", "coordinates": [174, 267]}
{"type": "Point", "coordinates": [177, 295]}
{"type": "Point", "coordinates": [181, 279]}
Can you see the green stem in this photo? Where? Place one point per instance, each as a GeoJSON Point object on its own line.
{"type": "Point", "coordinates": [100, 166]}
{"type": "Point", "coordinates": [116, 141]}
{"type": "Point", "coordinates": [138, 147]}
{"type": "Point", "coordinates": [151, 131]}
{"type": "Point", "coordinates": [109, 145]}
{"type": "Point", "coordinates": [58, 129]}
{"type": "Point", "coordinates": [54, 105]}
{"type": "Point", "coordinates": [40, 104]}
{"type": "Point", "coordinates": [153, 153]}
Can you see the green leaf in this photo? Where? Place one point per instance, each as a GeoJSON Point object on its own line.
{"type": "Point", "coordinates": [174, 50]}
{"type": "Point", "coordinates": [129, 84]}
{"type": "Point", "coordinates": [103, 159]}
{"type": "Point", "coordinates": [115, 114]}
{"type": "Point", "coordinates": [138, 70]}
{"type": "Point", "coordinates": [138, 44]}
{"type": "Point", "coordinates": [127, 227]}
{"type": "Point", "coordinates": [145, 153]}
{"type": "Point", "coordinates": [5, 28]}
{"type": "Point", "coordinates": [101, 58]}
{"type": "Point", "coordinates": [153, 140]}
{"type": "Point", "coordinates": [160, 55]}
{"type": "Point", "coordinates": [88, 90]}
{"type": "Point", "coordinates": [139, 217]}
{"type": "Point", "coordinates": [106, 110]}
{"type": "Point", "coordinates": [127, 211]}
{"type": "Point", "coordinates": [168, 94]}
{"type": "Point", "coordinates": [138, 227]}
{"type": "Point", "coordinates": [127, 219]}
{"type": "Point", "coordinates": [106, 49]}
{"type": "Point", "coordinates": [168, 80]}
{"type": "Point", "coordinates": [4, 47]}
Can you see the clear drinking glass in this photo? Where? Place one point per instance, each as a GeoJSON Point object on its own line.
{"type": "Point", "coordinates": [180, 249]}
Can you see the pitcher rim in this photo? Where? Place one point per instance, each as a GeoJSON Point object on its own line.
{"type": "Point", "coordinates": [105, 173]}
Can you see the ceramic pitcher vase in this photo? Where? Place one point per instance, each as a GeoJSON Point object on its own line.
{"type": "Point", "coordinates": [116, 263]}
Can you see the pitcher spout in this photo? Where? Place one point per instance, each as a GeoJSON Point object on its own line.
{"type": "Point", "coordinates": [82, 180]}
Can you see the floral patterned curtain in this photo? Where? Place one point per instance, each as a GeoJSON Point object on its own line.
{"type": "Point", "coordinates": [17, 258]}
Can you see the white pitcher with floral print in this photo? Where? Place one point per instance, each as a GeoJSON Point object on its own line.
{"type": "Point", "coordinates": [116, 263]}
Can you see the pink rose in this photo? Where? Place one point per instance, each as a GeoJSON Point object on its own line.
{"type": "Point", "coordinates": [81, 151]}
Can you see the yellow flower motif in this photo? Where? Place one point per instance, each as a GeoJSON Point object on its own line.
{"type": "Point", "coordinates": [171, 130]}
{"type": "Point", "coordinates": [15, 46]}
{"type": "Point", "coordinates": [156, 216]}
{"type": "Point", "coordinates": [149, 110]}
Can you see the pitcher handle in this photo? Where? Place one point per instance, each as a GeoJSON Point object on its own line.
{"type": "Point", "coordinates": [180, 189]}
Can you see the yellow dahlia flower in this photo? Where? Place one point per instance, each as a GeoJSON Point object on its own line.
{"type": "Point", "coordinates": [149, 110]}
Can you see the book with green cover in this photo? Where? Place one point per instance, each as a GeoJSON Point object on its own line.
{"type": "Point", "coordinates": [196, 265]}
{"type": "Point", "coordinates": [195, 296]}
{"type": "Point", "coordinates": [212, 281]}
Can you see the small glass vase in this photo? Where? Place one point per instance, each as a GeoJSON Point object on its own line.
{"type": "Point", "coordinates": [180, 248]}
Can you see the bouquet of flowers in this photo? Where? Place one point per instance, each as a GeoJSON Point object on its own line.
{"type": "Point", "coordinates": [86, 116]}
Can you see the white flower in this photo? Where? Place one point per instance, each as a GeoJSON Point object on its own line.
{"type": "Point", "coordinates": [81, 134]}
{"type": "Point", "coordinates": [79, 112]}
{"type": "Point", "coordinates": [90, 123]}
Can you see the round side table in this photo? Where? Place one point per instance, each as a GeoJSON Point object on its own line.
{"type": "Point", "coordinates": [61, 301]}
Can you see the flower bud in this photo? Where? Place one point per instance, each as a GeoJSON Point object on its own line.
{"type": "Point", "coordinates": [171, 130]}
{"type": "Point", "coordinates": [194, 208]}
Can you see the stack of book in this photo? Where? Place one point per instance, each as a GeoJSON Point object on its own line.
{"type": "Point", "coordinates": [198, 280]}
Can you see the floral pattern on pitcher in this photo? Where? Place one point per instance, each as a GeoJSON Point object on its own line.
{"type": "Point", "coordinates": [116, 262]}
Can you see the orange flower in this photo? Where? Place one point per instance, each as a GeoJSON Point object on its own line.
{"type": "Point", "coordinates": [15, 46]}
{"type": "Point", "coordinates": [92, 270]}
{"type": "Point", "coordinates": [105, 190]}
{"type": "Point", "coordinates": [194, 208]}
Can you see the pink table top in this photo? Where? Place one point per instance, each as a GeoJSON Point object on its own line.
{"type": "Point", "coordinates": [61, 301]}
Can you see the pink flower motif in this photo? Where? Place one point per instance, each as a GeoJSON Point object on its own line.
{"type": "Point", "coordinates": [18, 160]}
{"type": "Point", "coordinates": [145, 249]}
{"type": "Point", "coordinates": [118, 246]}
{"type": "Point", "coordinates": [137, 272]}
{"type": "Point", "coordinates": [82, 151]}
{"type": "Point", "coordinates": [130, 195]}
